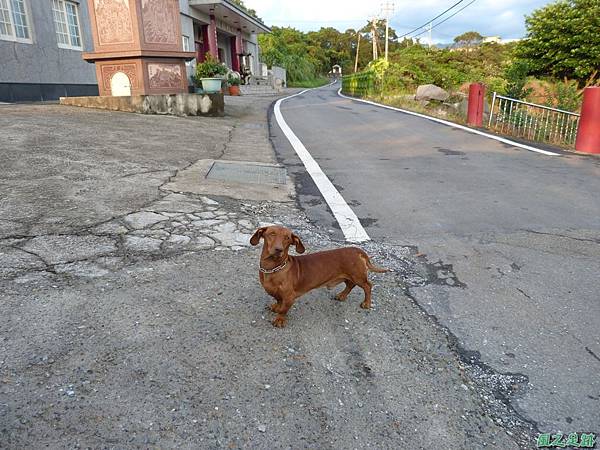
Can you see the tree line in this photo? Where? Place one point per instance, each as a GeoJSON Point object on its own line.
{"type": "Point", "coordinates": [562, 43]}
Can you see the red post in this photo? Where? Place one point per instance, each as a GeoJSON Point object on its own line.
{"type": "Point", "coordinates": [588, 134]}
{"type": "Point", "coordinates": [213, 48]}
{"type": "Point", "coordinates": [235, 59]}
{"type": "Point", "coordinates": [239, 42]}
{"type": "Point", "coordinates": [475, 111]}
{"type": "Point", "coordinates": [204, 43]}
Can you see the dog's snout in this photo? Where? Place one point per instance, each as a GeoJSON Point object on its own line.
{"type": "Point", "coordinates": [278, 249]}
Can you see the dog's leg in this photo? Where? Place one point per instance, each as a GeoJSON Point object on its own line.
{"type": "Point", "coordinates": [275, 306]}
{"type": "Point", "coordinates": [342, 296]}
{"type": "Point", "coordinates": [367, 288]}
{"type": "Point", "coordinates": [281, 319]}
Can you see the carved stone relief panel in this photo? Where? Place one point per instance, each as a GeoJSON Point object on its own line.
{"type": "Point", "coordinates": [164, 76]}
{"type": "Point", "coordinates": [128, 69]}
{"type": "Point", "coordinates": [160, 21]}
{"type": "Point", "coordinates": [113, 20]}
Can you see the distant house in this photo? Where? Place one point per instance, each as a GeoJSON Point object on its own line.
{"type": "Point", "coordinates": [492, 40]}
{"type": "Point", "coordinates": [42, 41]}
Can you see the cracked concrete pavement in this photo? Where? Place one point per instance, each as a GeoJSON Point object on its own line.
{"type": "Point", "coordinates": [131, 316]}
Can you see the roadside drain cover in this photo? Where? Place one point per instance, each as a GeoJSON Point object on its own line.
{"type": "Point", "coordinates": [247, 173]}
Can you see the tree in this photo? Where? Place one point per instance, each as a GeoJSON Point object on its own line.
{"type": "Point", "coordinates": [516, 79]}
{"type": "Point", "coordinates": [563, 40]}
{"type": "Point", "coordinates": [468, 39]}
{"type": "Point", "coordinates": [250, 11]}
{"type": "Point", "coordinates": [288, 48]}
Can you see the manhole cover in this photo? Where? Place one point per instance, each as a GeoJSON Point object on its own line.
{"type": "Point", "coordinates": [247, 173]}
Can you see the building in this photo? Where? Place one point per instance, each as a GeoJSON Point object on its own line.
{"type": "Point", "coordinates": [42, 42]}
{"type": "Point", "coordinates": [492, 40]}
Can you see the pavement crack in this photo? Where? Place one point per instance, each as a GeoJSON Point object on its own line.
{"type": "Point", "coordinates": [169, 179]}
{"type": "Point", "coordinates": [595, 241]}
{"type": "Point", "coordinates": [129, 175]}
{"type": "Point", "coordinates": [587, 349]}
{"type": "Point", "coordinates": [524, 293]}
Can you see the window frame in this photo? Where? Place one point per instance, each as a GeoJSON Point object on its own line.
{"type": "Point", "coordinates": [64, 17]}
{"type": "Point", "coordinates": [13, 37]}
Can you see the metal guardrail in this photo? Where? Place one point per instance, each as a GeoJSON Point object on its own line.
{"type": "Point", "coordinates": [533, 122]}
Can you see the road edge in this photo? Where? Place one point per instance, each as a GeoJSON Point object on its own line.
{"type": "Point", "coordinates": [453, 125]}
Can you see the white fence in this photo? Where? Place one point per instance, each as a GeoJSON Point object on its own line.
{"type": "Point", "coordinates": [533, 122]}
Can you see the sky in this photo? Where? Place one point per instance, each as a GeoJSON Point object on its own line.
{"type": "Point", "coordinates": [504, 18]}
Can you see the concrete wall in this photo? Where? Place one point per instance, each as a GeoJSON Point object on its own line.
{"type": "Point", "coordinates": [279, 72]}
{"type": "Point", "coordinates": [43, 61]}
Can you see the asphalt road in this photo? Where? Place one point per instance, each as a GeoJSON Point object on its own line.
{"type": "Point", "coordinates": [132, 317]}
{"type": "Point", "coordinates": [510, 237]}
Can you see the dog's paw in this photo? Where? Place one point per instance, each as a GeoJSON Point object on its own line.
{"type": "Point", "coordinates": [279, 321]}
{"type": "Point", "coordinates": [274, 307]}
{"type": "Point", "coordinates": [340, 297]}
{"type": "Point", "coordinates": [365, 305]}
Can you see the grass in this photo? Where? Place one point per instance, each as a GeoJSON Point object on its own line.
{"type": "Point", "coordinates": [315, 82]}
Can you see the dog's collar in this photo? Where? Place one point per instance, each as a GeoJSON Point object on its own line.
{"type": "Point", "coordinates": [274, 270]}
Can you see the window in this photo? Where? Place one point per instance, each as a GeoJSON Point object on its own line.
{"type": "Point", "coordinates": [66, 22]}
{"type": "Point", "coordinates": [186, 48]}
{"type": "Point", "coordinates": [14, 21]}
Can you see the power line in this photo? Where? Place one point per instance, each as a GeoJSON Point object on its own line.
{"type": "Point", "coordinates": [447, 18]}
{"type": "Point", "coordinates": [429, 21]}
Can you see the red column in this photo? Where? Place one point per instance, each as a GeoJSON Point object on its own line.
{"type": "Point", "coordinates": [213, 48]}
{"type": "Point", "coordinates": [204, 50]}
{"type": "Point", "coordinates": [475, 110]}
{"type": "Point", "coordinates": [235, 59]}
{"type": "Point", "coordinates": [239, 43]}
{"type": "Point", "coordinates": [588, 134]}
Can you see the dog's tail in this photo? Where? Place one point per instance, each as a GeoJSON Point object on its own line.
{"type": "Point", "coordinates": [374, 268]}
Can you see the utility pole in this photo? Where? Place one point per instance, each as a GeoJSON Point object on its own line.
{"type": "Point", "coordinates": [387, 9]}
{"type": "Point", "coordinates": [430, 40]}
{"type": "Point", "coordinates": [374, 36]}
{"type": "Point", "coordinates": [357, 52]}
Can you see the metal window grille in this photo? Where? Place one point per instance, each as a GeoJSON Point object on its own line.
{"type": "Point", "coordinates": [5, 22]}
{"type": "Point", "coordinates": [60, 23]}
{"type": "Point", "coordinates": [73, 21]}
{"type": "Point", "coordinates": [66, 22]}
{"type": "Point", "coordinates": [20, 19]}
{"type": "Point", "coordinates": [533, 122]}
{"type": "Point", "coordinates": [14, 21]}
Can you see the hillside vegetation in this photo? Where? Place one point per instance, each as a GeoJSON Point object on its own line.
{"type": "Point", "coordinates": [559, 57]}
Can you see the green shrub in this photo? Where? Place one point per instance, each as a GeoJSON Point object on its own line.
{"type": "Point", "coordinates": [209, 68]}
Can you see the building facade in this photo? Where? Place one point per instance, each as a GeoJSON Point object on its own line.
{"type": "Point", "coordinates": [42, 43]}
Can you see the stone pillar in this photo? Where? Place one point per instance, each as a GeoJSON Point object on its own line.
{"type": "Point", "coordinates": [213, 48]}
{"type": "Point", "coordinates": [137, 47]}
{"type": "Point", "coordinates": [588, 134]}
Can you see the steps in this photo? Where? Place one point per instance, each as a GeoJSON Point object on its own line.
{"type": "Point", "coordinates": [253, 89]}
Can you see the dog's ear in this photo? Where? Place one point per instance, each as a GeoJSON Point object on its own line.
{"type": "Point", "coordinates": [298, 244]}
{"type": "Point", "coordinates": [255, 239]}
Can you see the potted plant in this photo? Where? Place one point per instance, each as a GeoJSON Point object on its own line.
{"type": "Point", "coordinates": [234, 85]}
{"type": "Point", "coordinates": [209, 75]}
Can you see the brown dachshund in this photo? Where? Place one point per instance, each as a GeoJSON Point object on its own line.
{"type": "Point", "coordinates": [287, 277]}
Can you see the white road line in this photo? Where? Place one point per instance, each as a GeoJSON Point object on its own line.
{"type": "Point", "coordinates": [349, 223]}
{"type": "Point", "coordinates": [454, 125]}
